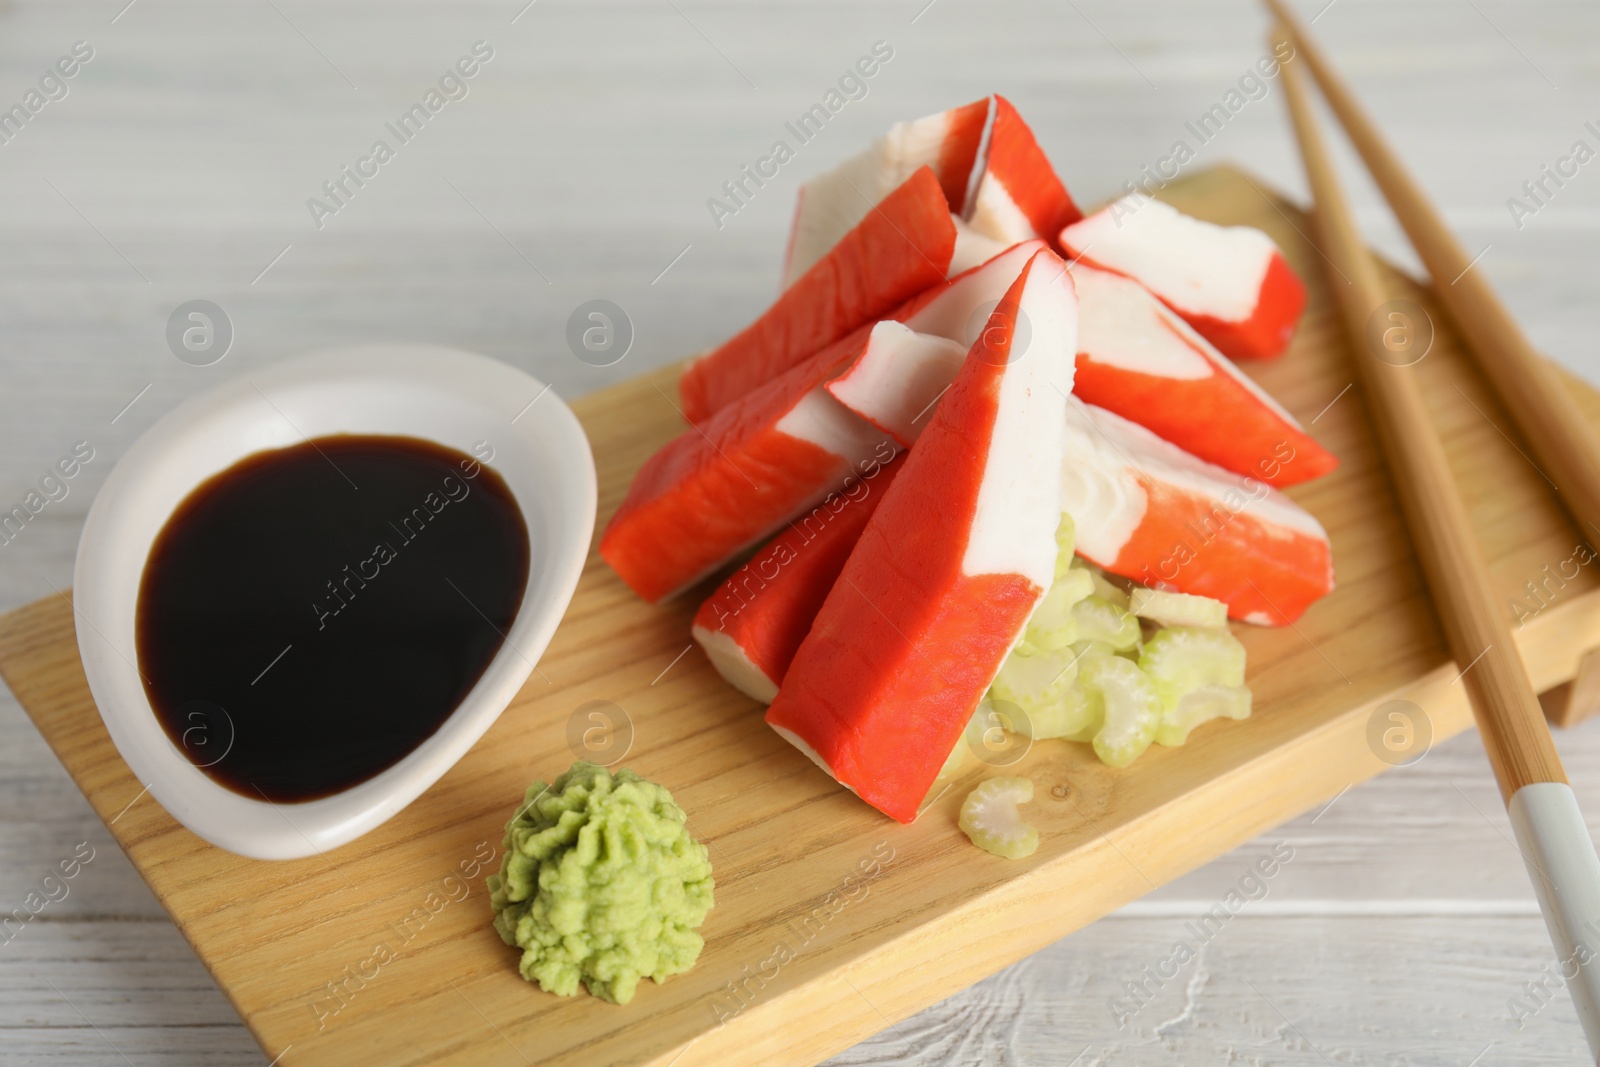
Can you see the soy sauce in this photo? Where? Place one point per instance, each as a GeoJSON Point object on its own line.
{"type": "Point", "coordinates": [312, 614]}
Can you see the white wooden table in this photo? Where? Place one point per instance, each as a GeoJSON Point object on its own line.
{"type": "Point", "coordinates": [178, 167]}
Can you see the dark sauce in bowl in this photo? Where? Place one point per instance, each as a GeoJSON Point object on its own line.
{"type": "Point", "coordinates": [312, 614]}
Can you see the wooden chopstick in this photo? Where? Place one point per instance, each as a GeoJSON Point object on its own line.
{"type": "Point", "coordinates": [1476, 627]}
{"type": "Point", "coordinates": [1550, 830]}
{"type": "Point", "coordinates": [1566, 446]}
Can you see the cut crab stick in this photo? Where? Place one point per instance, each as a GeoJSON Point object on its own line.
{"type": "Point", "coordinates": [752, 625]}
{"type": "Point", "coordinates": [1138, 359]}
{"type": "Point", "coordinates": [994, 175]}
{"type": "Point", "coordinates": [1018, 196]}
{"type": "Point", "coordinates": [958, 309]}
{"type": "Point", "coordinates": [725, 485]}
{"type": "Point", "coordinates": [1229, 282]}
{"type": "Point", "coordinates": [831, 204]}
{"type": "Point", "coordinates": [972, 248]}
{"type": "Point", "coordinates": [730, 482]}
{"type": "Point", "coordinates": [895, 252]}
{"type": "Point", "coordinates": [895, 383]}
{"type": "Point", "coordinates": [949, 567]}
{"type": "Point", "coordinates": [1147, 510]}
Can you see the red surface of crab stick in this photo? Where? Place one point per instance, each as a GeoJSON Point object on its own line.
{"type": "Point", "coordinates": [730, 482]}
{"type": "Point", "coordinates": [725, 485]}
{"type": "Point", "coordinates": [1018, 196]}
{"type": "Point", "coordinates": [830, 204]}
{"type": "Point", "coordinates": [1147, 510]}
{"type": "Point", "coordinates": [1229, 282]}
{"type": "Point", "coordinates": [898, 250]}
{"type": "Point", "coordinates": [948, 568]}
{"type": "Point", "coordinates": [1138, 359]}
{"type": "Point", "coordinates": [752, 625]}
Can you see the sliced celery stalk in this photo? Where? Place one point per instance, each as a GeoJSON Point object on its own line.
{"type": "Point", "coordinates": [1179, 609]}
{"type": "Point", "coordinates": [989, 816]}
{"type": "Point", "coordinates": [1132, 708]}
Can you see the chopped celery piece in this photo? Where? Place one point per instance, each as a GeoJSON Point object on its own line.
{"type": "Point", "coordinates": [1076, 718]}
{"type": "Point", "coordinates": [1053, 626]}
{"type": "Point", "coordinates": [1086, 649]}
{"type": "Point", "coordinates": [1066, 543]}
{"type": "Point", "coordinates": [1179, 609]}
{"type": "Point", "coordinates": [990, 818]}
{"type": "Point", "coordinates": [1043, 687]}
{"type": "Point", "coordinates": [1181, 659]}
{"type": "Point", "coordinates": [996, 726]}
{"type": "Point", "coordinates": [1104, 588]}
{"type": "Point", "coordinates": [1111, 594]}
{"type": "Point", "coordinates": [1201, 705]}
{"type": "Point", "coordinates": [1132, 708]}
{"type": "Point", "coordinates": [1076, 584]}
{"type": "Point", "coordinates": [1084, 671]}
{"type": "Point", "coordinates": [1101, 620]}
{"type": "Point", "coordinates": [1035, 682]}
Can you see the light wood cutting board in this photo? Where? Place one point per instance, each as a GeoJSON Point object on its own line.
{"type": "Point", "coordinates": [296, 945]}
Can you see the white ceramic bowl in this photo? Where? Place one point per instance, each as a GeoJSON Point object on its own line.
{"type": "Point", "coordinates": [445, 395]}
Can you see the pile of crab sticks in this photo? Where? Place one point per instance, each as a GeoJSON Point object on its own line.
{"type": "Point", "coordinates": [995, 463]}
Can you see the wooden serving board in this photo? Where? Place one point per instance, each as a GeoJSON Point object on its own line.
{"type": "Point", "coordinates": [831, 922]}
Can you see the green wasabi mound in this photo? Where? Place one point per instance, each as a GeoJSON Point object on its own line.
{"type": "Point", "coordinates": [601, 883]}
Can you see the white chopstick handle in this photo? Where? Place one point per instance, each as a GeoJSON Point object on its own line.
{"type": "Point", "coordinates": [1561, 860]}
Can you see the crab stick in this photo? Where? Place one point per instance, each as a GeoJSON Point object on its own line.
{"type": "Point", "coordinates": [1147, 510]}
{"type": "Point", "coordinates": [894, 385]}
{"type": "Point", "coordinates": [949, 567]}
{"type": "Point", "coordinates": [727, 484]}
{"type": "Point", "coordinates": [1138, 359]}
{"type": "Point", "coordinates": [752, 625]}
{"type": "Point", "coordinates": [730, 482]}
{"type": "Point", "coordinates": [831, 204]}
{"type": "Point", "coordinates": [995, 178]}
{"type": "Point", "coordinates": [1229, 282]}
{"type": "Point", "coordinates": [901, 248]}
{"type": "Point", "coordinates": [1018, 195]}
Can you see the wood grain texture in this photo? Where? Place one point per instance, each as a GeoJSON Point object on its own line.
{"type": "Point", "coordinates": [782, 835]}
{"type": "Point", "coordinates": [1477, 632]}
